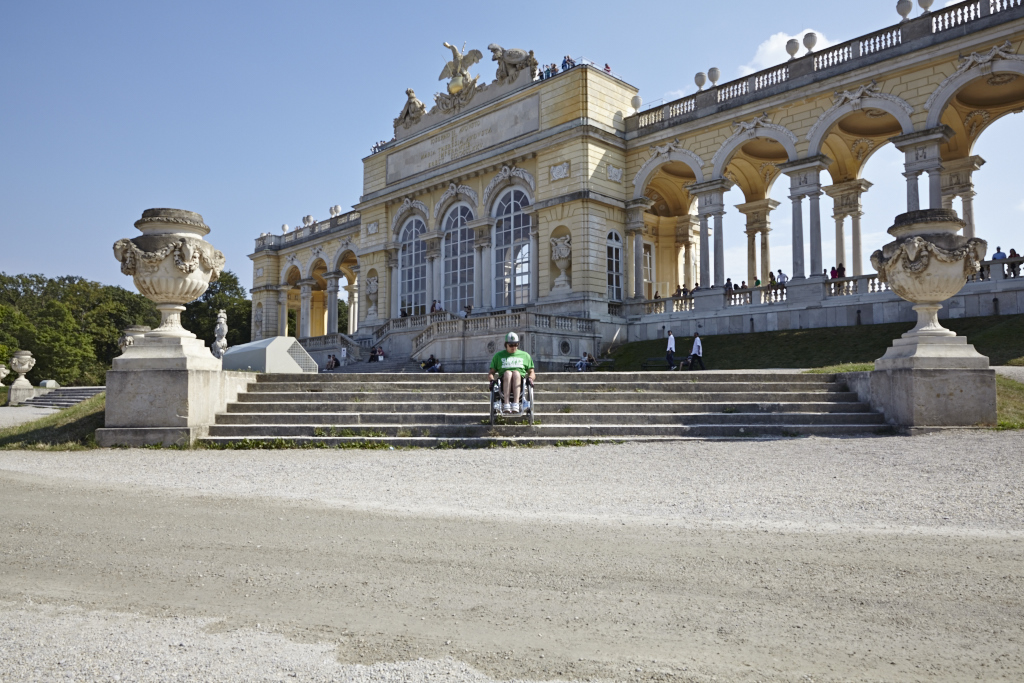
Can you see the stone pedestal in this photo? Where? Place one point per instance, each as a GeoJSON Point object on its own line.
{"type": "Point", "coordinates": [18, 394]}
{"type": "Point", "coordinates": [710, 299]}
{"type": "Point", "coordinates": [922, 398]}
{"type": "Point", "coordinates": [166, 391]}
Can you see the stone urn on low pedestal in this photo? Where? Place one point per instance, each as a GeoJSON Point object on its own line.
{"type": "Point", "coordinates": [166, 386]}
{"type": "Point", "coordinates": [21, 390]}
{"type": "Point", "coordinates": [561, 254]}
{"type": "Point", "coordinates": [931, 376]}
{"type": "Point", "coordinates": [371, 298]}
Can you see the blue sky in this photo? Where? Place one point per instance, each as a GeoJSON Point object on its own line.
{"type": "Point", "coordinates": [255, 114]}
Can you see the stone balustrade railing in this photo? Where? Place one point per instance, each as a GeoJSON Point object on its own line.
{"type": "Point", "coordinates": [334, 341]}
{"type": "Point", "coordinates": [412, 322]}
{"type": "Point", "coordinates": [853, 54]}
{"type": "Point", "coordinates": [269, 241]}
{"type": "Point", "coordinates": [1002, 268]}
{"type": "Point", "coordinates": [498, 325]}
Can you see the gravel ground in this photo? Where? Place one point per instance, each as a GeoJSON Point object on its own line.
{"type": "Point", "coordinates": [1014, 372]}
{"type": "Point", "coordinates": [959, 481]}
{"type": "Point", "coordinates": [848, 559]}
{"type": "Point", "coordinates": [14, 416]}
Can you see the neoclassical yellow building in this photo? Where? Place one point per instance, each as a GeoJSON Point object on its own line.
{"type": "Point", "coordinates": [553, 207]}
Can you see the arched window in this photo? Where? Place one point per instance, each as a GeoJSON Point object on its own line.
{"type": "Point", "coordinates": [413, 262]}
{"type": "Point", "coordinates": [512, 249]}
{"type": "Point", "coordinates": [458, 258]}
{"type": "Point", "coordinates": [614, 266]}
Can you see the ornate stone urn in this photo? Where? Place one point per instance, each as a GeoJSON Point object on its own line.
{"type": "Point", "coordinates": [371, 298]}
{"type": "Point", "coordinates": [927, 264]}
{"type": "Point", "coordinates": [22, 362]}
{"type": "Point", "coordinates": [561, 254]}
{"type": "Point", "coordinates": [3, 372]}
{"type": "Point", "coordinates": [171, 264]}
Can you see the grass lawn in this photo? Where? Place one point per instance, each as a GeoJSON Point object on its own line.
{"type": "Point", "coordinates": [1001, 338]}
{"type": "Point", "coordinates": [1010, 402]}
{"type": "Point", "coordinates": [67, 430]}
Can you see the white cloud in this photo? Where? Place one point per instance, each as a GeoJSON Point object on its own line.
{"type": "Point", "coordinates": [672, 95]}
{"type": "Point", "coordinates": [772, 52]}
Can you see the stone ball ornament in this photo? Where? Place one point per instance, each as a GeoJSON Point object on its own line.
{"type": "Point", "coordinates": [700, 79]}
{"type": "Point", "coordinates": [810, 40]}
{"type": "Point", "coordinates": [171, 264]}
{"type": "Point", "coordinates": [22, 362]}
{"type": "Point", "coordinates": [792, 48]}
{"type": "Point", "coordinates": [636, 102]}
{"type": "Point", "coordinates": [928, 262]}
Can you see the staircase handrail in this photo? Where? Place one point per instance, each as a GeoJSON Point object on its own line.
{"type": "Point", "coordinates": [524, 321]}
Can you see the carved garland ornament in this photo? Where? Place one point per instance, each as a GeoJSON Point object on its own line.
{"type": "Point", "coordinates": [855, 98]}
{"type": "Point", "coordinates": [748, 130]}
{"type": "Point", "coordinates": [915, 253]}
{"type": "Point", "coordinates": [407, 206]}
{"type": "Point", "coordinates": [188, 255]}
{"type": "Point", "coordinates": [985, 61]}
{"type": "Point", "coordinates": [507, 173]}
{"type": "Point", "coordinates": [453, 191]}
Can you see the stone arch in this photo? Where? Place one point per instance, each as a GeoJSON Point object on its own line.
{"type": "Point", "coordinates": [975, 67]}
{"type": "Point", "coordinates": [760, 127]}
{"type": "Point", "coordinates": [344, 263]}
{"type": "Point", "coordinates": [291, 274]}
{"type": "Point", "coordinates": [898, 107]}
{"type": "Point", "coordinates": [661, 156]}
{"type": "Point", "coordinates": [408, 208]}
{"type": "Point", "coordinates": [453, 195]}
{"type": "Point", "coordinates": [507, 177]}
{"type": "Point", "coordinates": [315, 264]}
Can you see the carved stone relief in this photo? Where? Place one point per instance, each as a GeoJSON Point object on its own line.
{"type": "Point", "coordinates": [560, 172]}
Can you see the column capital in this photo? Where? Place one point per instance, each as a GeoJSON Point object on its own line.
{"type": "Point", "coordinates": [392, 261]}
{"type": "Point", "coordinates": [306, 286]}
{"type": "Point", "coordinates": [909, 141]}
{"type": "Point", "coordinates": [710, 195]}
{"type": "Point", "coordinates": [804, 174]}
{"type": "Point", "coordinates": [846, 196]}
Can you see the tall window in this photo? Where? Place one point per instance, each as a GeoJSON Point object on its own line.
{"type": "Point", "coordinates": [413, 261]}
{"type": "Point", "coordinates": [512, 250]}
{"type": "Point", "coordinates": [614, 266]}
{"type": "Point", "coordinates": [649, 270]}
{"type": "Point", "coordinates": [458, 259]}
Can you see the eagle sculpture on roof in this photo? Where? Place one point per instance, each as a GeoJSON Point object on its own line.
{"type": "Point", "coordinates": [458, 69]}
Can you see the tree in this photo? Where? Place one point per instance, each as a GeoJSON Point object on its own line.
{"type": "Point", "coordinates": [342, 316]}
{"type": "Point", "coordinates": [62, 351]}
{"type": "Point", "coordinates": [226, 294]}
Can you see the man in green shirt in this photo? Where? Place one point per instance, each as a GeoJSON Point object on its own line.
{"type": "Point", "coordinates": [514, 366]}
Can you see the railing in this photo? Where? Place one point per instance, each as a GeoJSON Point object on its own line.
{"type": "Point", "coordinates": [954, 16]}
{"type": "Point", "coordinates": [1001, 269]}
{"type": "Point", "coordinates": [336, 341]}
{"type": "Point", "coordinates": [766, 79]}
{"type": "Point", "coordinates": [412, 322]}
{"type": "Point", "coordinates": [680, 107]}
{"type": "Point", "coordinates": [1000, 5]}
{"type": "Point", "coordinates": [651, 117]}
{"type": "Point", "coordinates": [499, 324]}
{"type": "Point", "coordinates": [834, 56]}
{"type": "Point", "coordinates": [268, 240]}
{"type": "Point", "coordinates": [883, 40]}
{"type": "Point", "coordinates": [734, 89]}
{"type": "Point", "coordinates": [858, 284]}
{"type": "Point", "coordinates": [614, 308]}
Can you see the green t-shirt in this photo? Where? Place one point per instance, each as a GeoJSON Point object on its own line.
{"type": "Point", "coordinates": [520, 361]}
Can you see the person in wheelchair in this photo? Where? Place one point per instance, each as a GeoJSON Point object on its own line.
{"type": "Point", "coordinates": [514, 368]}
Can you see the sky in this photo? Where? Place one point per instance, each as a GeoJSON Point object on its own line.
{"type": "Point", "coordinates": [255, 114]}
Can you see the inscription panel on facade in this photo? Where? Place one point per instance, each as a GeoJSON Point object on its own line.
{"type": "Point", "coordinates": [473, 136]}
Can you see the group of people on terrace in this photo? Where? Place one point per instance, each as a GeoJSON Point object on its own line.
{"type": "Point", "coordinates": [1009, 269]}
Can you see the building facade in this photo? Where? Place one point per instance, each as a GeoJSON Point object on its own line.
{"type": "Point", "coordinates": [552, 206]}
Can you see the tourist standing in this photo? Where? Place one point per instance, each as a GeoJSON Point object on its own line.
{"type": "Point", "coordinates": [670, 351]}
{"type": "Point", "coordinates": [782, 278]}
{"type": "Point", "coordinates": [697, 352]}
{"type": "Point", "coordinates": [841, 271]}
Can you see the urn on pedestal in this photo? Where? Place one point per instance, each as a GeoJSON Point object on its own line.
{"type": "Point", "coordinates": [171, 264]}
{"type": "Point", "coordinates": [561, 254]}
{"type": "Point", "coordinates": [22, 362]}
{"type": "Point", "coordinates": [927, 264]}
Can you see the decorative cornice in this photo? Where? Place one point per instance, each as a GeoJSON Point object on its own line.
{"type": "Point", "coordinates": [508, 173]}
{"type": "Point", "coordinates": [453, 191]}
{"type": "Point", "coordinates": [408, 206]}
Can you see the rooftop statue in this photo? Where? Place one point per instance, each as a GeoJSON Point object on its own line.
{"type": "Point", "coordinates": [458, 69]}
{"type": "Point", "coordinates": [511, 61]}
{"type": "Point", "coordinates": [412, 112]}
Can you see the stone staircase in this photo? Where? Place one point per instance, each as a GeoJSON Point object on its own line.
{"type": "Point", "coordinates": [452, 409]}
{"type": "Point", "coordinates": [64, 397]}
{"type": "Point", "coordinates": [391, 364]}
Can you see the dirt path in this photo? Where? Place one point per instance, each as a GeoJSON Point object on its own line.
{"type": "Point", "coordinates": [532, 599]}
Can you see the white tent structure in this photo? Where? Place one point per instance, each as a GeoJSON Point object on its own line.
{"type": "Point", "coordinates": [283, 355]}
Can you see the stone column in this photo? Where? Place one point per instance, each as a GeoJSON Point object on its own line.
{"type": "Point", "coordinates": [804, 181]}
{"type": "Point", "coordinates": [758, 215]}
{"type": "Point", "coordinates": [431, 291]}
{"type": "Point", "coordinates": [488, 288]}
{"type": "Point", "coordinates": [846, 198]}
{"type": "Point", "coordinates": [958, 181]}
{"type": "Point", "coordinates": [638, 264]}
{"type": "Point", "coordinates": [689, 277]}
{"type": "Point", "coordinates": [922, 155]}
{"type": "Point", "coordinates": [815, 211]}
{"type": "Point", "coordinates": [394, 287]}
{"type": "Point", "coordinates": [282, 311]}
{"type": "Point", "coordinates": [766, 257]}
{"type": "Point", "coordinates": [858, 250]}
{"type": "Point", "coordinates": [840, 240]}
{"type": "Point", "coordinates": [686, 226]}
{"type": "Point", "coordinates": [306, 308]}
{"type": "Point", "coordinates": [478, 276]}
{"type": "Point", "coordinates": [798, 236]}
{"type": "Point", "coordinates": [332, 302]}
{"type": "Point", "coordinates": [635, 209]}
{"type": "Point", "coordinates": [710, 202]}
{"type": "Point", "coordinates": [719, 249]}
{"type": "Point", "coordinates": [534, 259]}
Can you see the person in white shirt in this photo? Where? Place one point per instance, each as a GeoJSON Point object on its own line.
{"type": "Point", "coordinates": [670, 351]}
{"type": "Point", "coordinates": [782, 278]}
{"type": "Point", "coordinates": [697, 353]}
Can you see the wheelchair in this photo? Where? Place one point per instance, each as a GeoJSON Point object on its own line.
{"type": "Point", "coordinates": [526, 403]}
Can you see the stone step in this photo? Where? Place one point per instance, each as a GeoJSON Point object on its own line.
{"type": "Point", "coordinates": [64, 397]}
{"type": "Point", "coordinates": [476, 394]}
{"type": "Point", "coordinates": [602, 377]}
{"type": "Point", "coordinates": [555, 436]}
{"type": "Point", "coordinates": [577, 406]}
{"type": "Point", "coordinates": [724, 427]}
{"type": "Point", "coordinates": [432, 420]}
{"type": "Point", "coordinates": [598, 388]}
